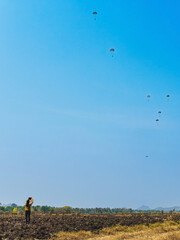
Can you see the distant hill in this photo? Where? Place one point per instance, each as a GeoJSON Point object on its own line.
{"type": "Point", "coordinates": [144, 208]}
{"type": "Point", "coordinates": [167, 209]}
{"type": "Point", "coordinates": [9, 205]}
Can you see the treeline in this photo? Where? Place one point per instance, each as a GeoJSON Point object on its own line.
{"type": "Point", "coordinates": [69, 210]}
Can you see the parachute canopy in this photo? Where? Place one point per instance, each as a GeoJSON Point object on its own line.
{"type": "Point", "coordinates": [167, 95]}
{"type": "Point", "coordinates": [94, 13]}
{"type": "Point", "coordinates": [148, 96]}
{"type": "Point", "coordinates": [112, 50]}
{"type": "Point", "coordinates": [157, 120]}
{"type": "Point", "coordinates": [159, 112]}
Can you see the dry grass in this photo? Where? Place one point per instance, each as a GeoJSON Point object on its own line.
{"type": "Point", "coordinates": [81, 235]}
{"type": "Point", "coordinates": [159, 231]}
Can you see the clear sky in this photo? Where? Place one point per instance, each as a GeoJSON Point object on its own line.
{"type": "Point", "coordinates": [75, 123]}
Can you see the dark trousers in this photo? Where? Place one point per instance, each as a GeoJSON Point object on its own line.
{"type": "Point", "coordinates": [27, 214]}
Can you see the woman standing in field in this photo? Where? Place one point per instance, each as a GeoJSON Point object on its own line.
{"type": "Point", "coordinates": [28, 204]}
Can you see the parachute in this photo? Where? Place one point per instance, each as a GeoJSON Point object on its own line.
{"type": "Point", "coordinates": [95, 14]}
{"type": "Point", "coordinates": [148, 96]}
{"type": "Point", "coordinates": [159, 113]}
{"type": "Point", "coordinates": [168, 97]}
{"type": "Point", "coordinates": [112, 50]}
{"type": "Point", "coordinates": [157, 121]}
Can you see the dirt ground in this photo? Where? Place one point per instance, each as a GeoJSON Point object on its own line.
{"type": "Point", "coordinates": [45, 226]}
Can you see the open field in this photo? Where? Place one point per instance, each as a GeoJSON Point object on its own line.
{"type": "Point", "coordinates": [97, 227]}
{"type": "Point", "coordinates": [159, 231]}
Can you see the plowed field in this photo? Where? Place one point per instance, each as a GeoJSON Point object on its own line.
{"type": "Point", "coordinates": [43, 226]}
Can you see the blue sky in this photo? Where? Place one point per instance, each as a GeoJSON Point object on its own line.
{"type": "Point", "coordinates": [75, 123]}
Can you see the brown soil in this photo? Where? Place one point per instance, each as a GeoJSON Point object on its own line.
{"type": "Point", "coordinates": [43, 226]}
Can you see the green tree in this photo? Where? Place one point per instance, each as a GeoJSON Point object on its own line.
{"type": "Point", "coordinates": [67, 209]}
